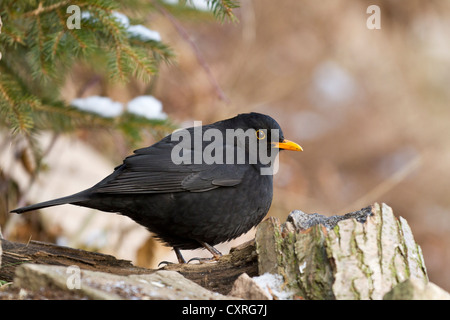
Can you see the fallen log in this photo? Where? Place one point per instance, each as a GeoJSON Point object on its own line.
{"type": "Point", "coordinates": [35, 252]}
{"type": "Point", "coordinates": [217, 277]}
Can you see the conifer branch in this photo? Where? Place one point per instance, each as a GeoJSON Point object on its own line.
{"type": "Point", "coordinates": [41, 9]}
{"type": "Point", "coordinates": [40, 46]}
{"type": "Point", "coordinates": [143, 64]}
{"type": "Point", "coordinates": [5, 95]}
{"type": "Point", "coordinates": [56, 43]}
{"type": "Point", "coordinates": [224, 8]}
{"type": "Point", "coordinates": [39, 50]}
{"type": "Point", "coordinates": [62, 21]}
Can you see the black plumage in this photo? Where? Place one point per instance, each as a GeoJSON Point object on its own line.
{"type": "Point", "coordinates": [191, 205]}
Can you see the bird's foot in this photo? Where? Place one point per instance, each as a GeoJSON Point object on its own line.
{"type": "Point", "coordinates": [216, 254]}
{"type": "Point", "coordinates": [179, 258]}
{"type": "Point", "coordinates": [164, 263]}
{"type": "Point", "coordinates": [204, 260]}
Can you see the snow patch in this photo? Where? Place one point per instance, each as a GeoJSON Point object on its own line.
{"type": "Point", "coordinates": [273, 285]}
{"type": "Point", "coordinates": [134, 30]}
{"type": "Point", "coordinates": [123, 19]}
{"type": "Point", "coordinates": [145, 106]}
{"type": "Point", "coordinates": [201, 5]}
{"type": "Point", "coordinates": [148, 107]}
{"type": "Point", "coordinates": [101, 105]}
{"type": "Point", "coordinates": [144, 33]}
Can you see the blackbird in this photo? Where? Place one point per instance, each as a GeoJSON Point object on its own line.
{"type": "Point", "coordinates": [197, 187]}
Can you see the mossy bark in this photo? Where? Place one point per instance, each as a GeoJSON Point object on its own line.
{"type": "Point", "coordinates": [352, 260]}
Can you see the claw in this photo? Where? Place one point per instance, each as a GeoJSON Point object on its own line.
{"type": "Point", "coordinates": [179, 258]}
{"type": "Point", "coordinates": [203, 260]}
{"type": "Point", "coordinates": [165, 263]}
{"type": "Point", "coordinates": [216, 254]}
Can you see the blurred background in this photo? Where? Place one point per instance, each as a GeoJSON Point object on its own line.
{"type": "Point", "coordinates": [370, 107]}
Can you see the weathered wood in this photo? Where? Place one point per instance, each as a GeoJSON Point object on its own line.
{"type": "Point", "coordinates": [416, 289]}
{"type": "Point", "coordinates": [247, 288]}
{"type": "Point", "coordinates": [218, 276]}
{"type": "Point", "coordinates": [46, 280]}
{"type": "Point", "coordinates": [15, 254]}
{"type": "Point", "coordinates": [299, 256]}
{"type": "Point", "coordinates": [370, 259]}
{"type": "Point", "coordinates": [347, 260]}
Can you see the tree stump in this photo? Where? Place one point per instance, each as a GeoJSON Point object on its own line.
{"type": "Point", "coordinates": [345, 260]}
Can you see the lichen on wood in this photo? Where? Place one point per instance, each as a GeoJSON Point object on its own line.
{"type": "Point", "coordinates": [360, 255]}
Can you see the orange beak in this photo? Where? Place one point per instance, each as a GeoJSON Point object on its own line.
{"type": "Point", "coordinates": [287, 145]}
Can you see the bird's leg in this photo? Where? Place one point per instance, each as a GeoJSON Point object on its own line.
{"type": "Point", "coordinates": [179, 257]}
{"type": "Point", "coordinates": [216, 253]}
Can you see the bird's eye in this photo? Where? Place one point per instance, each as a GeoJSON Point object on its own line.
{"type": "Point", "coordinates": [260, 134]}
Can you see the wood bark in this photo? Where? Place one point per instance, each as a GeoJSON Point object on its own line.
{"type": "Point", "coordinates": [218, 277]}
{"type": "Point", "coordinates": [15, 254]}
{"type": "Point", "coordinates": [350, 260]}
{"type": "Point", "coordinates": [360, 255]}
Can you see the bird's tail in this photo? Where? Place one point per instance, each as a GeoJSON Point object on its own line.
{"type": "Point", "coordinates": [73, 199]}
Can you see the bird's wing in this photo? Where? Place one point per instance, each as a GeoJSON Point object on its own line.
{"type": "Point", "coordinates": [214, 176]}
{"type": "Point", "coordinates": [151, 170]}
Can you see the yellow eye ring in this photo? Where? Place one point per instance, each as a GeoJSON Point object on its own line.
{"type": "Point", "coordinates": [260, 134]}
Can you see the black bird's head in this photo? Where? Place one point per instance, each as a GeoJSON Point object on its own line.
{"type": "Point", "coordinates": [250, 138]}
{"type": "Point", "coordinates": [260, 136]}
{"type": "Point", "coordinates": [266, 130]}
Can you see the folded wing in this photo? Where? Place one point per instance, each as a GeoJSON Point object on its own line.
{"type": "Point", "coordinates": [151, 170]}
